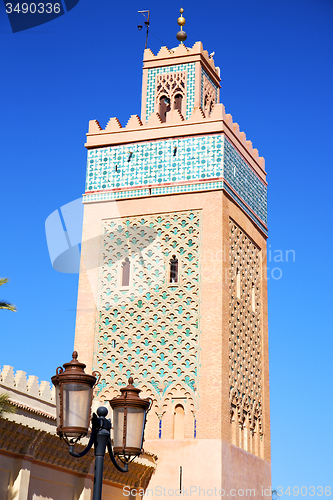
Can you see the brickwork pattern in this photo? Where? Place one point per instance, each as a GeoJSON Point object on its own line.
{"type": "Point", "coordinates": [245, 369]}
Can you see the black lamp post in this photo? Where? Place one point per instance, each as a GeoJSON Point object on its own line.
{"type": "Point", "coordinates": [74, 394]}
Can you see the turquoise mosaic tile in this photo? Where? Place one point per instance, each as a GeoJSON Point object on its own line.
{"type": "Point", "coordinates": [190, 86]}
{"type": "Point", "coordinates": [116, 195]}
{"type": "Point", "coordinates": [174, 166]}
{"type": "Point", "coordinates": [187, 188]}
{"type": "Point", "coordinates": [203, 73]}
{"type": "Point", "coordinates": [158, 162]}
{"type": "Point", "coordinates": [244, 181]}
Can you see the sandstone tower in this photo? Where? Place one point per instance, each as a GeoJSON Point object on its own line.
{"type": "Point", "coordinates": [172, 284]}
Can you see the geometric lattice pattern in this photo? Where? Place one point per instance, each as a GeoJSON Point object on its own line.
{"type": "Point", "coordinates": [245, 371]}
{"type": "Point", "coordinates": [156, 164]}
{"type": "Point", "coordinates": [190, 85]}
{"type": "Point", "coordinates": [170, 84]}
{"type": "Point", "coordinates": [207, 89]}
{"type": "Point", "coordinates": [150, 329]}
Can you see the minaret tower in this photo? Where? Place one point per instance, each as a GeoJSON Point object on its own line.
{"type": "Point", "coordinates": [172, 286]}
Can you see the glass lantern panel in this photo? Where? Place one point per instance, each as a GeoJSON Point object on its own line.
{"type": "Point", "coordinates": [118, 426]}
{"type": "Point", "coordinates": [135, 427]}
{"type": "Point", "coordinates": [135, 423]}
{"type": "Point", "coordinates": [76, 406]}
{"type": "Point", "coordinates": [57, 394]}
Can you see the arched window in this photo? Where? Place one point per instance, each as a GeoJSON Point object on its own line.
{"type": "Point", "coordinates": [173, 270]}
{"type": "Point", "coordinates": [125, 276]}
{"type": "Point", "coordinates": [178, 102]}
{"type": "Point", "coordinates": [164, 107]}
{"type": "Point", "coordinates": [179, 422]}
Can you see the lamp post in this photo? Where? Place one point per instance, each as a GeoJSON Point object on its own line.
{"type": "Point", "coordinates": [74, 394]}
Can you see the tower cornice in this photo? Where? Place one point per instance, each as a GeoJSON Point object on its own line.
{"type": "Point", "coordinates": [218, 122]}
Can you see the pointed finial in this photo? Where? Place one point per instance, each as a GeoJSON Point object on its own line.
{"type": "Point", "coordinates": [181, 35]}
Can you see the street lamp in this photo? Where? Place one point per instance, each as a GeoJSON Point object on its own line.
{"type": "Point", "coordinates": [74, 394]}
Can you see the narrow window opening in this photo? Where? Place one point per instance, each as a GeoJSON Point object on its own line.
{"type": "Point", "coordinates": [174, 270]}
{"type": "Point", "coordinates": [125, 272]}
{"type": "Point", "coordinates": [164, 107]}
{"type": "Point", "coordinates": [180, 478]}
{"type": "Point", "coordinates": [238, 290]}
{"type": "Point", "coordinates": [116, 168]}
{"type": "Point", "coordinates": [130, 156]}
{"type": "Point", "coordinates": [113, 343]}
{"type": "Point", "coordinates": [178, 102]}
{"type": "Point", "coordinates": [253, 298]}
{"type": "Point", "coordinates": [179, 420]}
{"type": "Point", "coordinates": [175, 151]}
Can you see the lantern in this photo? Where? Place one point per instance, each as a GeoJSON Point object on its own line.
{"type": "Point", "coordinates": [74, 392]}
{"type": "Point", "coordinates": [129, 420]}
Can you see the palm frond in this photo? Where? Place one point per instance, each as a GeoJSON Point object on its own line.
{"type": "Point", "coordinates": [6, 405]}
{"type": "Point", "coordinates": [3, 304]}
{"type": "Point", "coordinates": [6, 305]}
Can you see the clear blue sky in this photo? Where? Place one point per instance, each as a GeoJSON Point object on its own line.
{"type": "Point", "coordinates": [276, 70]}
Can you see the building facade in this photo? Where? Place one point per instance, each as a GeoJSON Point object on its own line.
{"type": "Point", "coordinates": [172, 287]}
{"type": "Point", "coordinates": [35, 463]}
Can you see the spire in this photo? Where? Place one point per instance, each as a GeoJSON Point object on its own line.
{"type": "Point", "coordinates": [181, 35]}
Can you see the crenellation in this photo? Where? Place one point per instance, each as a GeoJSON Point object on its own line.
{"type": "Point", "coordinates": [32, 385]}
{"type": "Point", "coordinates": [197, 115]}
{"type": "Point", "coordinates": [134, 122]}
{"type": "Point", "coordinates": [7, 375]}
{"type": "Point", "coordinates": [19, 383]}
{"type": "Point", "coordinates": [164, 52]}
{"type": "Point", "coordinates": [148, 54]}
{"type": "Point", "coordinates": [179, 51]}
{"type": "Point", "coordinates": [94, 127]}
{"type": "Point", "coordinates": [174, 117]}
{"type": "Point", "coordinates": [113, 125]}
{"type": "Point", "coordinates": [45, 390]}
{"type": "Point", "coordinates": [154, 120]}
